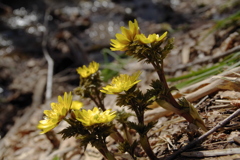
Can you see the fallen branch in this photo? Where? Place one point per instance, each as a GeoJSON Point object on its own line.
{"type": "Point", "coordinates": [204, 60]}
{"type": "Point", "coordinates": [201, 138]}
{"type": "Point", "coordinates": [205, 87]}
{"type": "Point", "coordinates": [47, 56]}
{"type": "Point", "coordinates": [212, 153]}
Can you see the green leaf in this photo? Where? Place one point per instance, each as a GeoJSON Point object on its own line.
{"type": "Point", "coordinates": [56, 158]}
{"type": "Point", "coordinates": [74, 130]}
{"type": "Point", "coordinates": [111, 69]}
{"type": "Point", "coordinates": [122, 116]}
{"type": "Point", "coordinates": [227, 63]}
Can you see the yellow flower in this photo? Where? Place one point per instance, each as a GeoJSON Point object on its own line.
{"type": "Point", "coordinates": [151, 38]}
{"type": "Point", "coordinates": [76, 105]}
{"type": "Point", "coordinates": [58, 112]}
{"type": "Point", "coordinates": [95, 116]}
{"type": "Point", "coordinates": [87, 71]}
{"type": "Point", "coordinates": [128, 36]}
{"type": "Point", "coordinates": [121, 83]}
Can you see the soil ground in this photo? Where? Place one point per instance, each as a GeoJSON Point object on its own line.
{"type": "Point", "coordinates": [75, 32]}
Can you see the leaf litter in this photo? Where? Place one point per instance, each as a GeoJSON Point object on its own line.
{"type": "Point", "coordinates": [171, 132]}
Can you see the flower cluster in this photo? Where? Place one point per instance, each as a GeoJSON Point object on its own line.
{"type": "Point", "coordinates": [64, 106]}
{"type": "Point", "coordinates": [94, 125]}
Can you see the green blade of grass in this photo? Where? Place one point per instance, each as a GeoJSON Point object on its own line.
{"type": "Point", "coordinates": [227, 63]}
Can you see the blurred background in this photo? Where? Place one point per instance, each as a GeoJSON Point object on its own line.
{"type": "Point", "coordinates": [75, 32]}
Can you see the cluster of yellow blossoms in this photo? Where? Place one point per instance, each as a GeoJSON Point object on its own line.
{"type": "Point", "coordinates": [88, 117]}
{"type": "Point", "coordinates": [64, 106]}
{"type": "Point", "coordinates": [128, 36]}
{"type": "Point", "coordinates": [94, 125]}
{"type": "Point", "coordinates": [118, 84]}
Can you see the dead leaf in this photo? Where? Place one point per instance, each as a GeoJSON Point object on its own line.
{"type": "Point", "coordinates": [230, 95]}
{"type": "Point", "coordinates": [185, 54]}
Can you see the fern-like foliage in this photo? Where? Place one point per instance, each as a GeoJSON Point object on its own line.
{"type": "Point", "coordinates": [73, 130]}
{"type": "Point", "coordinates": [127, 147]}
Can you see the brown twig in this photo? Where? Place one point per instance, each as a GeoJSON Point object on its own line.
{"type": "Point", "coordinates": [211, 153]}
{"type": "Point", "coordinates": [204, 60]}
{"type": "Point", "coordinates": [47, 56]}
{"type": "Point", "coordinates": [201, 138]}
{"type": "Point", "coordinates": [206, 87]}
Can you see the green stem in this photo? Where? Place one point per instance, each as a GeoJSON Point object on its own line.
{"type": "Point", "coordinates": [117, 136]}
{"type": "Point", "coordinates": [127, 134]}
{"type": "Point", "coordinates": [100, 103]}
{"type": "Point", "coordinates": [106, 153]}
{"type": "Point", "coordinates": [140, 116]}
{"type": "Point", "coordinates": [170, 99]}
{"type": "Point", "coordinates": [139, 113]}
{"type": "Point", "coordinates": [95, 101]}
{"type": "Point", "coordinates": [68, 121]}
{"type": "Point", "coordinates": [102, 147]}
{"type": "Point", "coordinates": [181, 112]}
{"type": "Point", "coordinates": [146, 146]}
{"type": "Point", "coordinates": [143, 138]}
{"type": "Point", "coordinates": [160, 72]}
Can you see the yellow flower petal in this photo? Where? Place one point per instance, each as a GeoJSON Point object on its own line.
{"type": "Point", "coordinates": [127, 36]}
{"type": "Point", "coordinates": [76, 105]}
{"type": "Point", "coordinates": [94, 116]}
{"type": "Point", "coordinates": [87, 71]}
{"type": "Point", "coordinates": [162, 36]}
{"type": "Point", "coordinates": [151, 38]}
{"type": "Point", "coordinates": [121, 83]}
{"type": "Point", "coordinates": [58, 112]}
{"type": "Point", "coordinates": [122, 39]}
